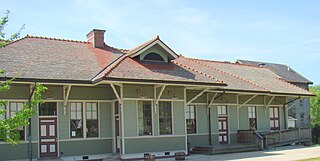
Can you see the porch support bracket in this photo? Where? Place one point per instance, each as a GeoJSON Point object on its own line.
{"type": "Point", "coordinates": [291, 102]}
{"type": "Point", "coordinates": [158, 97]}
{"type": "Point", "coordinates": [268, 104]}
{"type": "Point", "coordinates": [247, 101]}
{"type": "Point", "coordinates": [116, 93]}
{"type": "Point", "coordinates": [197, 96]}
{"type": "Point", "coordinates": [66, 94]}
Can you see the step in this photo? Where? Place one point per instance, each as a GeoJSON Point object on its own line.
{"type": "Point", "coordinates": [226, 149]}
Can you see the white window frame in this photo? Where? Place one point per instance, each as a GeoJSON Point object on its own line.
{"type": "Point", "coordinates": [84, 118]}
{"type": "Point", "coordinates": [172, 119]}
{"type": "Point", "coordinates": [195, 117]}
{"type": "Point", "coordinates": [152, 117]}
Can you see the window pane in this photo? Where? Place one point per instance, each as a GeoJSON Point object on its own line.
{"type": "Point", "coordinates": [165, 118]}
{"type": "Point", "coordinates": [276, 114]}
{"type": "Point", "coordinates": [219, 110]}
{"type": "Point", "coordinates": [271, 123]}
{"type": "Point", "coordinates": [48, 109]}
{"type": "Point", "coordinates": [43, 130]}
{"type": "Point", "coordinates": [271, 112]}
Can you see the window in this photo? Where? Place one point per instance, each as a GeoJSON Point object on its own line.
{"type": "Point", "coordinates": [13, 108]}
{"type": "Point", "coordinates": [144, 118]}
{"type": "Point", "coordinates": [76, 121]}
{"type": "Point", "coordinates": [84, 121]}
{"type": "Point", "coordinates": [191, 119]}
{"type": "Point", "coordinates": [222, 110]}
{"type": "Point", "coordinates": [48, 109]}
{"type": "Point", "coordinates": [153, 57]}
{"type": "Point", "coordinates": [92, 120]}
{"type": "Point", "coordinates": [165, 118]}
{"type": "Point", "coordinates": [274, 118]}
{"type": "Point", "coordinates": [252, 117]}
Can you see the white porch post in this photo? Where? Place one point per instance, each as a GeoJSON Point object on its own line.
{"type": "Point", "coordinates": [120, 100]}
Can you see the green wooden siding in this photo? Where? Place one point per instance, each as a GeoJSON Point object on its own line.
{"type": "Point", "coordinates": [16, 91]}
{"type": "Point", "coordinates": [85, 147]}
{"type": "Point", "coordinates": [91, 93]}
{"type": "Point", "coordinates": [244, 118]}
{"type": "Point", "coordinates": [154, 144]}
{"type": "Point", "coordinates": [232, 118]}
{"type": "Point", "coordinates": [9, 152]}
{"type": "Point", "coordinates": [105, 119]}
{"type": "Point", "coordinates": [64, 122]}
{"type": "Point", "coordinates": [202, 119]}
{"type": "Point", "coordinates": [138, 91]}
{"type": "Point", "coordinates": [178, 118]}
{"type": "Point", "coordinates": [130, 118]}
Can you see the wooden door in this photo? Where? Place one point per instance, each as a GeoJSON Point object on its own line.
{"type": "Point", "coordinates": [48, 137]}
{"type": "Point", "coordinates": [223, 129]}
{"type": "Point", "coordinates": [274, 118]}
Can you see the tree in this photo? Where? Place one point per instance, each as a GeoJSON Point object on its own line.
{"type": "Point", "coordinates": [9, 126]}
{"type": "Point", "coordinates": [3, 23]}
{"type": "Point", "coordinates": [315, 105]}
{"type": "Point", "coordinates": [315, 112]}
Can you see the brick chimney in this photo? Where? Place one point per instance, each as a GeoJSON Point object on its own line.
{"type": "Point", "coordinates": [96, 38]}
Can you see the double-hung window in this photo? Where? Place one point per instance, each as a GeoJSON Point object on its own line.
{"type": "Point", "coordinates": [191, 119]}
{"type": "Point", "coordinates": [165, 118]}
{"type": "Point", "coordinates": [76, 120]}
{"type": "Point", "coordinates": [144, 118]}
{"type": "Point", "coordinates": [252, 115]}
{"type": "Point", "coordinates": [14, 107]}
{"type": "Point", "coordinates": [92, 122]}
{"type": "Point", "coordinates": [84, 122]}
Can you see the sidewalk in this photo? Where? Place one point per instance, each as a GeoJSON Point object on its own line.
{"type": "Point", "coordinates": [288, 153]}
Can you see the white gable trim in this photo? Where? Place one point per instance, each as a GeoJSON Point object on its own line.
{"type": "Point", "coordinates": [159, 42]}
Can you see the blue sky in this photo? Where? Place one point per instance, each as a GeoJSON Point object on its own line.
{"type": "Point", "coordinates": [286, 31]}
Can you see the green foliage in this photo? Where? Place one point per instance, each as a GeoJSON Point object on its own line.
{"type": "Point", "coordinates": [3, 23]}
{"type": "Point", "coordinates": [9, 126]}
{"type": "Point", "coordinates": [315, 106]}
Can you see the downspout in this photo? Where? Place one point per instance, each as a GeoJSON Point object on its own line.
{"type": "Point", "coordinates": [29, 126]}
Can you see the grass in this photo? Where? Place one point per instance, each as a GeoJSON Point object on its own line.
{"type": "Point", "coordinates": [310, 159]}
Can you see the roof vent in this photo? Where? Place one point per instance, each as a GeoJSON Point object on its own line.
{"type": "Point", "coordinates": [96, 38]}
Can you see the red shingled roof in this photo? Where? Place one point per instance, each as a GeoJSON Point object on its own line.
{"type": "Point", "coordinates": [59, 59]}
{"type": "Point", "coordinates": [51, 58]}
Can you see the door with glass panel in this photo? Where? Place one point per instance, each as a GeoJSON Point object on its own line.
{"type": "Point", "coordinates": [274, 118]}
{"type": "Point", "coordinates": [48, 137]}
{"type": "Point", "coordinates": [223, 125]}
{"type": "Point", "coordinates": [48, 130]}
